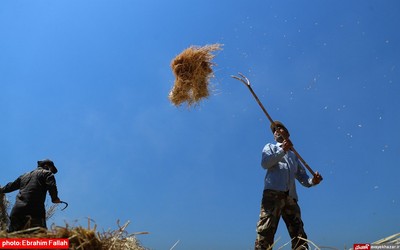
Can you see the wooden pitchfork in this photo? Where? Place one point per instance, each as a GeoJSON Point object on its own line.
{"type": "Point", "coordinates": [246, 82]}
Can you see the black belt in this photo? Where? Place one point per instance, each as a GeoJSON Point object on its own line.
{"type": "Point", "coordinates": [278, 192]}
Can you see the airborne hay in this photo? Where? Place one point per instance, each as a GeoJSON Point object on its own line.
{"type": "Point", "coordinates": [193, 70]}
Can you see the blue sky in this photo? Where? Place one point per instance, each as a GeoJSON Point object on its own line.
{"type": "Point", "coordinates": [86, 84]}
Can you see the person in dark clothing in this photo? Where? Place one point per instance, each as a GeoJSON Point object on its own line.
{"type": "Point", "coordinates": [29, 208]}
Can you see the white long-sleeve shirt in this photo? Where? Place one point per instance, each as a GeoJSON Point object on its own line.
{"type": "Point", "coordinates": [282, 170]}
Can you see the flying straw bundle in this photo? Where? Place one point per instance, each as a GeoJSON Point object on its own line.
{"type": "Point", "coordinates": [192, 69]}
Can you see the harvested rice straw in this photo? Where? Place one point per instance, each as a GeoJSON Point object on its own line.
{"type": "Point", "coordinates": [3, 211]}
{"type": "Point", "coordinates": [84, 238]}
{"type": "Point", "coordinates": [192, 69]}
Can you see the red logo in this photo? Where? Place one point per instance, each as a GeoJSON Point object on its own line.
{"type": "Point", "coordinates": [361, 246]}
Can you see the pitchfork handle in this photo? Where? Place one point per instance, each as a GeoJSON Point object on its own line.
{"type": "Point", "coordinates": [247, 83]}
{"type": "Point", "coordinates": [303, 161]}
{"type": "Point", "coordinates": [272, 121]}
{"type": "Point", "coordinates": [259, 103]}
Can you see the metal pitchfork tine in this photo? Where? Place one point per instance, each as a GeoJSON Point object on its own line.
{"type": "Point", "coordinates": [242, 78]}
{"type": "Point", "coordinates": [246, 82]}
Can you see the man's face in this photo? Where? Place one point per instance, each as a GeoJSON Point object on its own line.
{"type": "Point", "coordinates": [50, 167]}
{"type": "Point", "coordinates": [280, 133]}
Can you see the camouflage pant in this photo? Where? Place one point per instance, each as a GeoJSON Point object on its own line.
{"type": "Point", "coordinates": [274, 205]}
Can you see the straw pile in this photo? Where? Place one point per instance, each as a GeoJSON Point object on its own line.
{"type": "Point", "coordinates": [84, 238]}
{"type": "Point", "coordinates": [3, 211]}
{"type": "Point", "coordinates": [390, 240]}
{"type": "Point", "coordinates": [393, 239]}
{"type": "Point", "coordinates": [79, 237]}
{"type": "Point", "coordinates": [193, 70]}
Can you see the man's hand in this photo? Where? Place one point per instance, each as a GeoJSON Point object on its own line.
{"type": "Point", "coordinates": [317, 178]}
{"type": "Point", "coordinates": [57, 200]}
{"type": "Point", "coordinates": [286, 145]}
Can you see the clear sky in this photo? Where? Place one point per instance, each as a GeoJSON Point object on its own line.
{"type": "Point", "coordinates": [86, 84]}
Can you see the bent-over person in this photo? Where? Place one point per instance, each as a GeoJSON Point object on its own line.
{"type": "Point", "coordinates": [29, 208]}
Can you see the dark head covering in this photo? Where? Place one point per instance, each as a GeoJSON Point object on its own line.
{"type": "Point", "coordinates": [48, 164]}
{"type": "Point", "coordinates": [276, 124]}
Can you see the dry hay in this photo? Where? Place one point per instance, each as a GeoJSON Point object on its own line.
{"type": "Point", "coordinates": [84, 238]}
{"type": "Point", "coordinates": [390, 240]}
{"type": "Point", "coordinates": [393, 239]}
{"type": "Point", "coordinates": [4, 204]}
{"type": "Point", "coordinates": [192, 69]}
{"type": "Point", "coordinates": [79, 237]}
